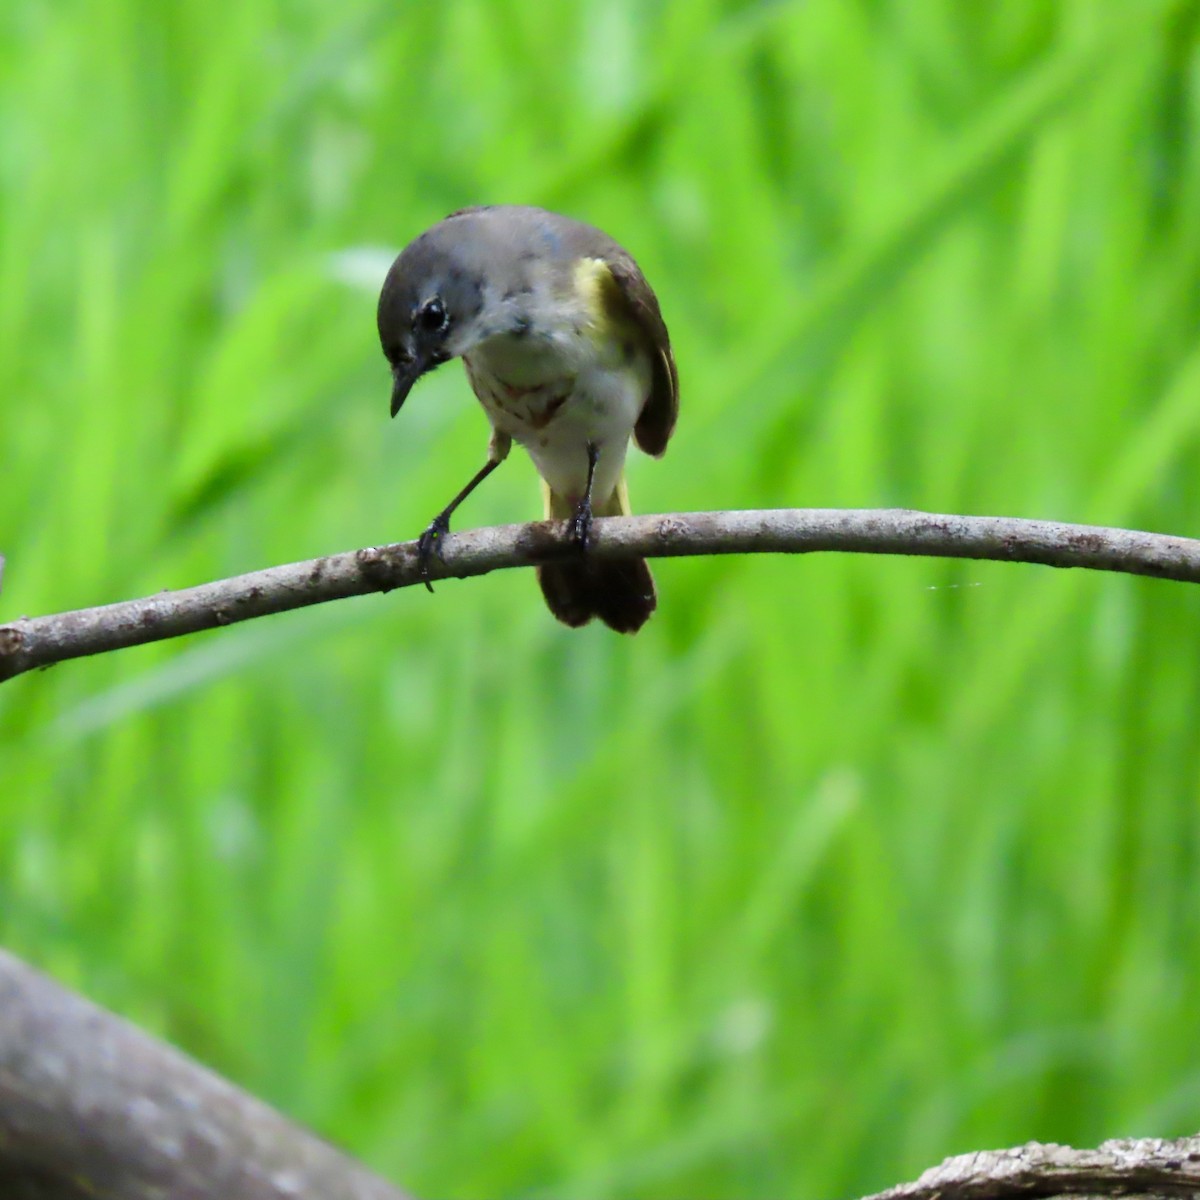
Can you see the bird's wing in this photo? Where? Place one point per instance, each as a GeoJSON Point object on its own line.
{"type": "Point", "coordinates": [637, 299]}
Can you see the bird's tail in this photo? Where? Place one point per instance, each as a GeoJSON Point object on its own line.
{"type": "Point", "coordinates": [621, 594]}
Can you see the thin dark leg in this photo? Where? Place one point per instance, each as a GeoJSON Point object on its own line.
{"type": "Point", "coordinates": [579, 528]}
{"type": "Point", "coordinates": [430, 542]}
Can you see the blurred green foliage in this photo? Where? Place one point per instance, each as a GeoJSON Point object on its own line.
{"type": "Point", "coordinates": [843, 864]}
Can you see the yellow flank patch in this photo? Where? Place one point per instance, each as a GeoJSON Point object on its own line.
{"type": "Point", "coordinates": [559, 508]}
{"type": "Point", "coordinates": [600, 296]}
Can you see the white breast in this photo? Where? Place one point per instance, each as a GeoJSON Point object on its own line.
{"type": "Point", "coordinates": [556, 394]}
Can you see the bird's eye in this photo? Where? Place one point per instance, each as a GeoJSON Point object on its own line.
{"type": "Point", "coordinates": [432, 316]}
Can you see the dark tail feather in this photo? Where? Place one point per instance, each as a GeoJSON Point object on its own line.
{"type": "Point", "coordinates": [621, 594]}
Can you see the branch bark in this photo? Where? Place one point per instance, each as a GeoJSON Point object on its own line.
{"type": "Point", "coordinates": [1133, 1168]}
{"type": "Point", "coordinates": [92, 1107]}
{"type": "Point", "coordinates": [39, 641]}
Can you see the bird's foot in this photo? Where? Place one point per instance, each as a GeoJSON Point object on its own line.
{"type": "Point", "coordinates": [579, 527]}
{"type": "Point", "coordinates": [430, 543]}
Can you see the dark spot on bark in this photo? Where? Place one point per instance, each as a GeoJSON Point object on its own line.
{"type": "Point", "coordinates": [1087, 543]}
{"type": "Point", "coordinates": [628, 350]}
{"type": "Point", "coordinates": [11, 640]}
{"type": "Point", "coordinates": [378, 568]}
{"type": "Point", "coordinates": [522, 326]}
{"type": "Point", "coordinates": [543, 541]}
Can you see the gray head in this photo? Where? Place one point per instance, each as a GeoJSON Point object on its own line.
{"type": "Point", "coordinates": [430, 301]}
{"type": "Point", "coordinates": [470, 278]}
{"type": "Point", "coordinates": [447, 291]}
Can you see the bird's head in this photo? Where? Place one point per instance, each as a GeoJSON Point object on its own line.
{"type": "Point", "coordinates": [432, 307]}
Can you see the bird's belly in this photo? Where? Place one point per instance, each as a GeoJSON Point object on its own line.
{"type": "Point", "coordinates": [560, 449]}
{"type": "Point", "coordinates": [556, 420]}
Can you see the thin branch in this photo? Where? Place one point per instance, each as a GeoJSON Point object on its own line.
{"type": "Point", "coordinates": [1127, 1167]}
{"type": "Point", "coordinates": [39, 641]}
{"type": "Point", "coordinates": [92, 1107]}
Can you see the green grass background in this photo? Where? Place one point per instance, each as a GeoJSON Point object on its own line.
{"type": "Point", "coordinates": [844, 864]}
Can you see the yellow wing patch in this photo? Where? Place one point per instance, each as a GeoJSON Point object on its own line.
{"type": "Point", "coordinates": [597, 290]}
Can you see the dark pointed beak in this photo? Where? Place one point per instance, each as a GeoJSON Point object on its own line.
{"type": "Point", "coordinates": [404, 375]}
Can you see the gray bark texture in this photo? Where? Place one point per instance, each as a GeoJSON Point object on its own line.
{"type": "Point", "coordinates": [91, 1108]}
{"type": "Point", "coordinates": [1129, 1167]}
{"type": "Point", "coordinates": [27, 643]}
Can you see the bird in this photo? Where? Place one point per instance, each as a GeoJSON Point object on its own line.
{"type": "Point", "coordinates": [566, 349]}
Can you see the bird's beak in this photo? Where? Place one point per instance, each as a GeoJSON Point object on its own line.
{"type": "Point", "coordinates": [404, 375]}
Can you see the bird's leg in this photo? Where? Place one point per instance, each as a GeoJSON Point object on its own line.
{"type": "Point", "coordinates": [430, 542]}
{"type": "Point", "coordinates": [579, 528]}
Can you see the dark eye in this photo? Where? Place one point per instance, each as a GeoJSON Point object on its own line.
{"type": "Point", "coordinates": [432, 316]}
